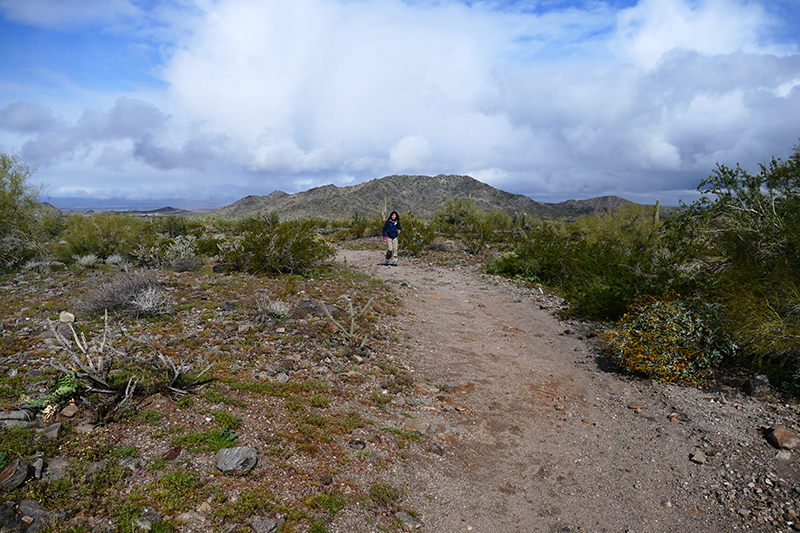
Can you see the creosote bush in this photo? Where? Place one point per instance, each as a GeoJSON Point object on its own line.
{"type": "Point", "coordinates": [267, 246]}
{"type": "Point", "coordinates": [670, 339]}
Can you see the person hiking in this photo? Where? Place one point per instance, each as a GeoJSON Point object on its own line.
{"type": "Point", "coordinates": [391, 230]}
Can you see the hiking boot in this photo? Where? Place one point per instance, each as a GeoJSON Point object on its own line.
{"type": "Point", "coordinates": [394, 264]}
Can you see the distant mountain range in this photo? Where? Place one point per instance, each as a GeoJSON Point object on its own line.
{"type": "Point", "coordinates": [420, 195]}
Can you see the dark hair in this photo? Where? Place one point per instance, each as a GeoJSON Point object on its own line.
{"type": "Point", "coordinates": [397, 215]}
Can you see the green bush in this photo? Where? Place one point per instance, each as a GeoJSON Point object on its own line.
{"type": "Point", "coordinates": [416, 234]}
{"type": "Point", "coordinates": [102, 234]}
{"type": "Point", "coordinates": [600, 263]}
{"type": "Point", "coordinates": [462, 219]}
{"type": "Point", "coordinates": [20, 213]}
{"type": "Point", "coordinates": [284, 247]}
{"type": "Point", "coordinates": [740, 242]}
{"type": "Point", "coordinates": [670, 339]}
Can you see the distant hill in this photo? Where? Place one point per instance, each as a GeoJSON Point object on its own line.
{"type": "Point", "coordinates": [420, 195]}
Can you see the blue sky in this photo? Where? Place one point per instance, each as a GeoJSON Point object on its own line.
{"type": "Point", "coordinates": [198, 103]}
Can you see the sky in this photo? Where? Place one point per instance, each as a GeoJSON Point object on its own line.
{"type": "Point", "coordinates": [198, 103]}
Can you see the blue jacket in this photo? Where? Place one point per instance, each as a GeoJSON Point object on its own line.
{"type": "Point", "coordinates": [392, 228]}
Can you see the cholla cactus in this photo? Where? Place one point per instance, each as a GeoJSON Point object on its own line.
{"type": "Point", "coordinates": [150, 302]}
{"type": "Point", "coordinates": [87, 261]}
{"type": "Point", "coordinates": [273, 308]}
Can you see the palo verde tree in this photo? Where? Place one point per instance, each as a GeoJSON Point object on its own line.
{"type": "Point", "coordinates": [19, 212]}
{"type": "Point", "coordinates": [741, 243]}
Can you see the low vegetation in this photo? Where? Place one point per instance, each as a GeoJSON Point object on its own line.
{"type": "Point", "coordinates": [188, 329]}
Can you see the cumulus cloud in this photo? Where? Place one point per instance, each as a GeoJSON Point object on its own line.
{"type": "Point", "coordinates": [554, 103]}
{"type": "Point", "coordinates": [26, 117]}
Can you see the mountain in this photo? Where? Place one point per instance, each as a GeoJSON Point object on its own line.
{"type": "Point", "coordinates": [419, 195]}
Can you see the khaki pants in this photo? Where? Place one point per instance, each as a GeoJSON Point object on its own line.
{"type": "Point", "coordinates": [392, 247]}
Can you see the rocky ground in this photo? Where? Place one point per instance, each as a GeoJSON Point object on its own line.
{"type": "Point", "coordinates": [541, 434]}
{"type": "Point", "coordinates": [473, 407]}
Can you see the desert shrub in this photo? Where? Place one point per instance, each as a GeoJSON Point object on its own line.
{"type": "Point", "coordinates": [181, 254]}
{"type": "Point", "coordinates": [102, 234]}
{"type": "Point", "coordinates": [740, 242]}
{"type": "Point", "coordinates": [172, 225]}
{"type": "Point", "coordinates": [357, 225]}
{"type": "Point", "coordinates": [601, 263]}
{"type": "Point", "coordinates": [285, 247]}
{"type": "Point", "coordinates": [134, 292]}
{"type": "Point", "coordinates": [41, 266]}
{"type": "Point", "coordinates": [462, 219]}
{"type": "Point", "coordinates": [670, 339]}
{"type": "Point", "coordinates": [87, 261]}
{"type": "Point", "coordinates": [416, 234]}
{"type": "Point", "coordinates": [20, 228]}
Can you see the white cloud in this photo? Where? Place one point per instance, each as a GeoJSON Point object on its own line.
{"type": "Point", "coordinates": [571, 102]}
{"type": "Point", "coordinates": [410, 154]}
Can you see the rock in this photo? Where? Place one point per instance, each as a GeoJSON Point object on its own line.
{"type": "Point", "coordinates": [70, 411]}
{"type": "Point", "coordinates": [172, 453]}
{"type": "Point", "coordinates": [57, 468]}
{"type": "Point", "coordinates": [409, 522]}
{"type": "Point", "coordinates": [282, 377]}
{"type": "Point", "coordinates": [85, 428]}
{"type": "Point", "coordinates": [9, 519]}
{"type": "Point", "coordinates": [415, 425]}
{"type": "Point", "coordinates": [38, 467]}
{"type": "Point", "coordinates": [783, 455]}
{"type": "Point", "coordinates": [66, 317]}
{"type": "Point", "coordinates": [218, 269]}
{"type": "Point", "coordinates": [783, 438]}
{"type": "Point", "coordinates": [143, 524]}
{"type": "Point", "coordinates": [20, 414]}
{"type": "Point", "coordinates": [53, 431]}
{"type": "Point", "coordinates": [14, 475]}
{"type": "Point", "coordinates": [261, 524]}
{"type": "Point", "coordinates": [33, 509]}
{"type": "Point", "coordinates": [237, 461]}
{"type": "Point", "coordinates": [756, 386]}
{"type": "Point", "coordinates": [190, 517]}
{"type": "Point", "coordinates": [698, 457]}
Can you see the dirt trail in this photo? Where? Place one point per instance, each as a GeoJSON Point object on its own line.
{"type": "Point", "coordinates": [535, 435]}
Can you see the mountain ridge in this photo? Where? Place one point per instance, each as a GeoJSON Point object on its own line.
{"type": "Point", "coordinates": [418, 194]}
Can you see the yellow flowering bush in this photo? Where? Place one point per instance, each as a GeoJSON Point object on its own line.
{"type": "Point", "coordinates": [670, 339]}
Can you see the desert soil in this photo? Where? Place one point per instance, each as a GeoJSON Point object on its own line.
{"type": "Point", "coordinates": [533, 429]}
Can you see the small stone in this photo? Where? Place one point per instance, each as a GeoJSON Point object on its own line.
{"type": "Point", "coordinates": [282, 378]}
{"type": "Point", "coordinates": [783, 455]}
{"type": "Point", "coordinates": [783, 438]}
{"type": "Point", "coordinates": [172, 453]}
{"type": "Point", "coordinates": [66, 318]}
{"type": "Point", "coordinates": [69, 411]}
{"type": "Point", "coordinates": [409, 522]}
{"type": "Point", "coordinates": [190, 517]}
{"type": "Point", "coordinates": [236, 461]}
{"type": "Point", "coordinates": [744, 513]}
{"type": "Point", "coordinates": [53, 431]}
{"type": "Point", "coordinates": [698, 457]}
{"type": "Point", "coordinates": [261, 524]}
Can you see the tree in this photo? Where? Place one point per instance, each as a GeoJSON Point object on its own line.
{"type": "Point", "coordinates": [741, 243]}
{"type": "Point", "coordinates": [19, 212]}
